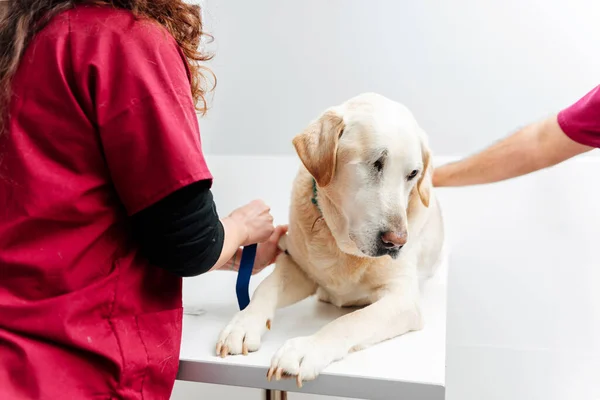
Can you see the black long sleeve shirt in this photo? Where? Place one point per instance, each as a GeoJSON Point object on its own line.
{"type": "Point", "coordinates": [182, 232]}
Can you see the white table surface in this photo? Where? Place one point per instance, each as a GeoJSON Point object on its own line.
{"type": "Point", "coordinates": [411, 366]}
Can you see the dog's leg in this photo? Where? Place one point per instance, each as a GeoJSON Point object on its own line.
{"type": "Point", "coordinates": [396, 312]}
{"type": "Point", "coordinates": [286, 285]}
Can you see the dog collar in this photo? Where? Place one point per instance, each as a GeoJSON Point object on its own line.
{"type": "Point", "coordinates": [314, 196]}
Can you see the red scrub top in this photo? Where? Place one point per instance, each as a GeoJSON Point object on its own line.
{"type": "Point", "coordinates": [101, 125]}
{"type": "Point", "coordinates": [581, 120]}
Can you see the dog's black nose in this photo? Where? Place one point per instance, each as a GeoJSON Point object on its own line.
{"type": "Point", "coordinates": [392, 240]}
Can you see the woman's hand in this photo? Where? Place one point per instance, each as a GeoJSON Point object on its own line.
{"type": "Point", "coordinates": [267, 252]}
{"type": "Point", "coordinates": [255, 222]}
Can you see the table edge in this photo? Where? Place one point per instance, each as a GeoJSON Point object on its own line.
{"type": "Point", "coordinates": [325, 384]}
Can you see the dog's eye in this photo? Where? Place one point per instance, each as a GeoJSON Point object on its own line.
{"type": "Point", "coordinates": [412, 175]}
{"type": "Point", "coordinates": [378, 165]}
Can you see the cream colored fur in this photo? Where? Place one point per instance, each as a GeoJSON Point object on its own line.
{"type": "Point", "coordinates": [334, 250]}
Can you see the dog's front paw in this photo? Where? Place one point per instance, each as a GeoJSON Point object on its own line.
{"type": "Point", "coordinates": [303, 357]}
{"type": "Point", "coordinates": [242, 334]}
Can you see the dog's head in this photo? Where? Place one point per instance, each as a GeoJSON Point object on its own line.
{"type": "Point", "coordinates": [369, 158]}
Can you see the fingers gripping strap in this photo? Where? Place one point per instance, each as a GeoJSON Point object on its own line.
{"type": "Point", "coordinates": [245, 272]}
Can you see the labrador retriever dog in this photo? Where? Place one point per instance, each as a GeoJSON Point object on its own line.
{"type": "Point", "coordinates": [365, 230]}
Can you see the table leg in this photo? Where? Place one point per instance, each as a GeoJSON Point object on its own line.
{"type": "Point", "coordinates": [271, 394]}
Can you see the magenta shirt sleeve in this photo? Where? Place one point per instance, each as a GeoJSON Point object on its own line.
{"type": "Point", "coordinates": [581, 121]}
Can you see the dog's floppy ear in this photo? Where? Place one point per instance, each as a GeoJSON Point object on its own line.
{"type": "Point", "coordinates": [424, 184]}
{"type": "Point", "coordinates": [317, 146]}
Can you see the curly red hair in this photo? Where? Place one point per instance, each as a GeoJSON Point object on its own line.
{"type": "Point", "coordinates": [21, 19]}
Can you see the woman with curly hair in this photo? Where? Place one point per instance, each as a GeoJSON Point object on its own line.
{"type": "Point", "coordinates": [105, 200]}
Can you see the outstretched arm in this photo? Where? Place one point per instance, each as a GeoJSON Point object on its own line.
{"type": "Point", "coordinates": [537, 146]}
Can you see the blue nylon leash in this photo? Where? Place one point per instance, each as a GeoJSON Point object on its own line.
{"type": "Point", "coordinates": [242, 284]}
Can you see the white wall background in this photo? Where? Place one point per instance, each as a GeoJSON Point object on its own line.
{"type": "Point", "coordinates": [471, 71]}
